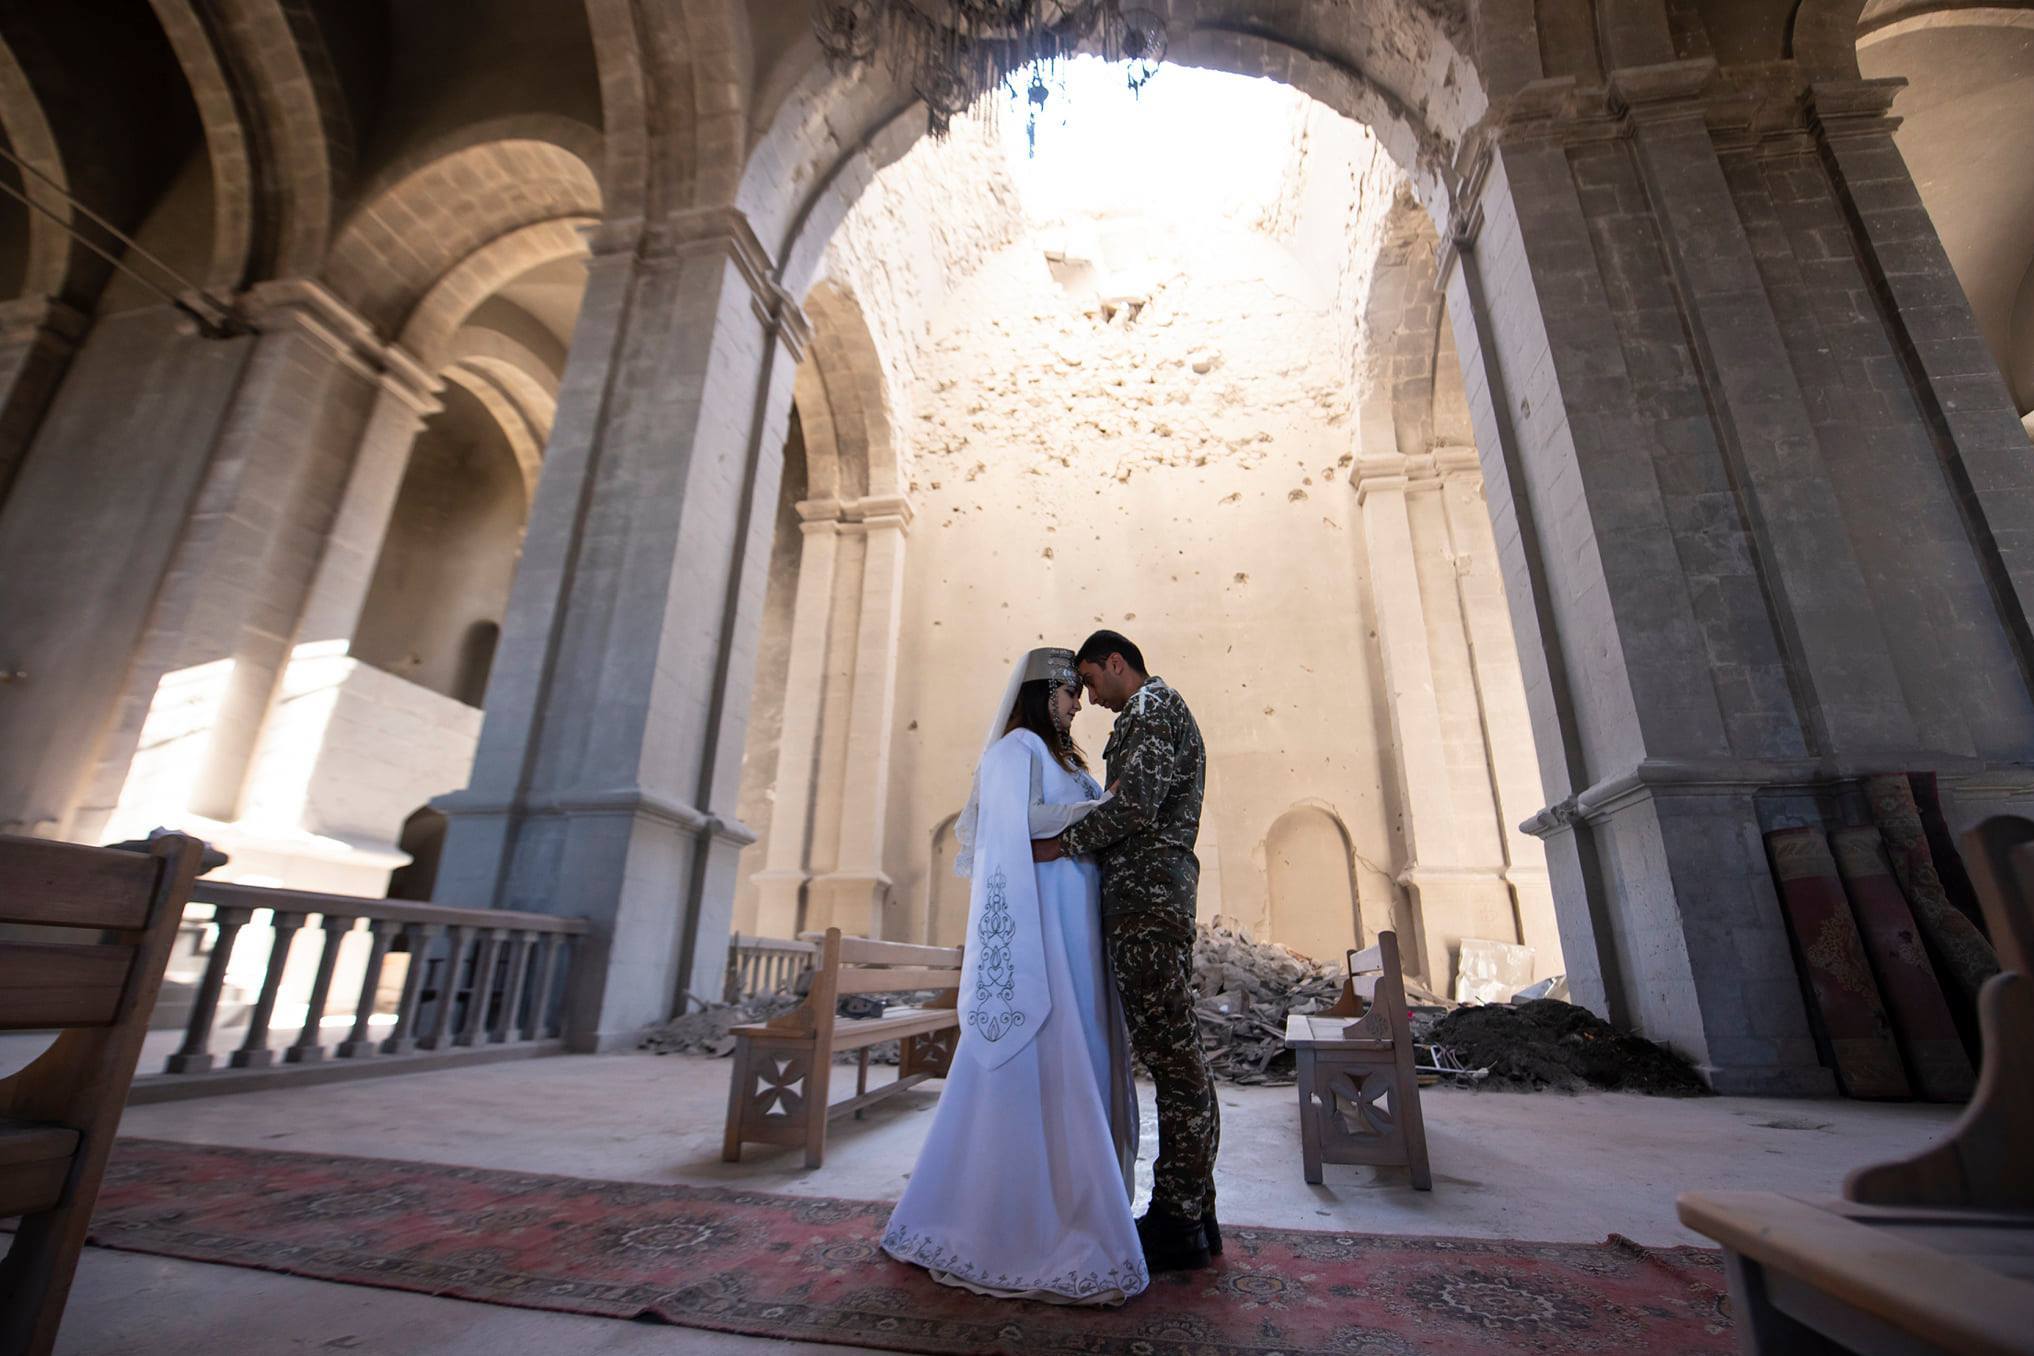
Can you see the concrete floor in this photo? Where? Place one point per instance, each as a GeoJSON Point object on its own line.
{"type": "Point", "coordinates": [1505, 1165]}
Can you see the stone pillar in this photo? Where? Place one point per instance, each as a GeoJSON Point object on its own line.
{"type": "Point", "coordinates": [780, 885]}
{"type": "Point", "coordinates": [38, 335]}
{"type": "Point", "coordinates": [236, 587]}
{"type": "Point", "coordinates": [609, 758]}
{"type": "Point", "coordinates": [156, 547]}
{"type": "Point", "coordinates": [1455, 870]}
{"type": "Point", "coordinates": [853, 895]}
{"type": "Point", "coordinates": [1714, 480]}
{"type": "Point", "coordinates": [1511, 762]}
{"type": "Point", "coordinates": [346, 566]}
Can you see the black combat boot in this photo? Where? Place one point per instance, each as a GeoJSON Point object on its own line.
{"type": "Point", "coordinates": [1212, 1230]}
{"type": "Point", "coordinates": [1171, 1241]}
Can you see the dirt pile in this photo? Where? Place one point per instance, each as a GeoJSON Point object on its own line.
{"type": "Point", "coordinates": [1550, 1044]}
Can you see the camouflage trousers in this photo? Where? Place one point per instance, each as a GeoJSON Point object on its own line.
{"type": "Point", "coordinates": [1152, 956]}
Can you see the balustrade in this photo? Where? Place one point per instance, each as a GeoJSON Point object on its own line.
{"type": "Point", "coordinates": [760, 965]}
{"type": "Point", "coordinates": [472, 979]}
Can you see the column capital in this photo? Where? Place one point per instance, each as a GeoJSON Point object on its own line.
{"type": "Point", "coordinates": [313, 309]}
{"type": "Point", "coordinates": [28, 320]}
{"type": "Point", "coordinates": [632, 801]}
{"type": "Point", "coordinates": [1415, 474]}
{"type": "Point", "coordinates": [869, 511]}
{"type": "Point", "coordinates": [1848, 108]}
{"type": "Point", "coordinates": [706, 231]}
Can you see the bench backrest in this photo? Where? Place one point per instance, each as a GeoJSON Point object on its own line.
{"type": "Point", "coordinates": [1375, 989]}
{"type": "Point", "coordinates": [110, 906]}
{"type": "Point", "coordinates": [849, 965]}
{"type": "Point", "coordinates": [1999, 854]}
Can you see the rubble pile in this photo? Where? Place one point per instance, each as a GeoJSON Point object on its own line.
{"type": "Point", "coordinates": [706, 1032]}
{"type": "Point", "coordinates": [1246, 988]}
{"type": "Point", "coordinates": [1546, 1043]}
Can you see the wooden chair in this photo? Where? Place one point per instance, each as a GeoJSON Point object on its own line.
{"type": "Point", "coordinates": [1999, 854]}
{"type": "Point", "coordinates": [1934, 1252]}
{"type": "Point", "coordinates": [783, 1068]}
{"type": "Point", "coordinates": [1359, 1093]}
{"type": "Point", "coordinates": [58, 1116]}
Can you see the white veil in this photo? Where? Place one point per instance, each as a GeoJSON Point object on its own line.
{"type": "Point", "coordinates": [966, 827]}
{"type": "Point", "coordinates": [1004, 996]}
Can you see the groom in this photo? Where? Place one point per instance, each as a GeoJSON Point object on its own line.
{"type": "Point", "coordinates": [1144, 837]}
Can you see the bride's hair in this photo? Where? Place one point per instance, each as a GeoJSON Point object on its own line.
{"type": "Point", "coordinates": [1033, 712]}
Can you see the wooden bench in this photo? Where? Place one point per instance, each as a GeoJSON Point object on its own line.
{"type": "Point", "coordinates": [118, 913]}
{"type": "Point", "coordinates": [1359, 1093]}
{"type": "Point", "coordinates": [783, 1068]}
{"type": "Point", "coordinates": [1934, 1252]}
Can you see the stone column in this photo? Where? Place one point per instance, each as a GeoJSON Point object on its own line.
{"type": "Point", "coordinates": [609, 759]}
{"type": "Point", "coordinates": [853, 895]}
{"type": "Point", "coordinates": [1511, 762]}
{"type": "Point", "coordinates": [780, 885]}
{"type": "Point", "coordinates": [236, 586]}
{"type": "Point", "coordinates": [1704, 412]}
{"type": "Point", "coordinates": [345, 572]}
{"type": "Point", "coordinates": [38, 335]}
{"type": "Point", "coordinates": [1455, 867]}
{"type": "Point", "coordinates": [157, 545]}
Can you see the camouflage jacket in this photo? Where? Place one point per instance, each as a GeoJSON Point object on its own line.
{"type": "Point", "coordinates": [1144, 835]}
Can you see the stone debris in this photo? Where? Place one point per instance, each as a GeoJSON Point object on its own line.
{"type": "Point", "coordinates": [1548, 1044]}
{"type": "Point", "coordinates": [708, 1031]}
{"type": "Point", "coordinates": [1246, 989]}
{"type": "Point", "coordinates": [705, 1032]}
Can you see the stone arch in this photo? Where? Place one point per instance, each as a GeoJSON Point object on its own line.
{"type": "Point", "coordinates": [277, 129]}
{"type": "Point", "coordinates": [840, 394]}
{"type": "Point", "coordinates": [1822, 39]}
{"type": "Point", "coordinates": [1401, 325]}
{"type": "Point", "coordinates": [1633, 33]}
{"type": "Point", "coordinates": [1309, 865]}
{"type": "Point", "coordinates": [46, 268]}
{"type": "Point", "coordinates": [829, 133]}
{"type": "Point", "coordinates": [465, 286]}
{"type": "Point", "coordinates": [502, 395]}
{"type": "Point", "coordinates": [674, 76]}
{"type": "Point", "coordinates": [401, 245]}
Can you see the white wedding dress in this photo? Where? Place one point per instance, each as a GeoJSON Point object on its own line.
{"type": "Point", "coordinates": [1023, 1186]}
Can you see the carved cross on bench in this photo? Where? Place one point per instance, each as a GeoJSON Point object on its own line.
{"type": "Point", "coordinates": [783, 1068]}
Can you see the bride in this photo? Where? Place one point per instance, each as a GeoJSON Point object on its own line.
{"type": "Point", "coordinates": [1022, 1188]}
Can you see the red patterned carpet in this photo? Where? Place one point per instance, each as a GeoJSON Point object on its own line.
{"type": "Point", "coordinates": [808, 1267]}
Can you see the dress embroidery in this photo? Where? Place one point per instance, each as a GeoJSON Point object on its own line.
{"type": "Point", "coordinates": [1126, 1278]}
{"type": "Point", "coordinates": [996, 975]}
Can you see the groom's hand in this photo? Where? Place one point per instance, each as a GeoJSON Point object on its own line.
{"type": "Point", "coordinates": [1046, 850]}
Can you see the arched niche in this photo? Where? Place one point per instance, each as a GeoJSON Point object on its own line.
{"type": "Point", "coordinates": [1313, 905]}
{"type": "Point", "coordinates": [422, 837]}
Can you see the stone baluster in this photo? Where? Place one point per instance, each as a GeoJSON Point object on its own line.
{"type": "Point", "coordinates": [193, 1056]}
{"type": "Point", "coordinates": [308, 1048]}
{"type": "Point", "coordinates": [506, 1028]}
{"type": "Point", "coordinates": [418, 937]}
{"type": "Point", "coordinates": [437, 1038]}
{"type": "Point", "coordinates": [547, 970]}
{"type": "Point", "coordinates": [254, 1052]}
{"type": "Point", "coordinates": [361, 1042]}
{"type": "Point", "coordinates": [473, 1031]}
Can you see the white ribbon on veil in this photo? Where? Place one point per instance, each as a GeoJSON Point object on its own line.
{"type": "Point", "coordinates": [1004, 996]}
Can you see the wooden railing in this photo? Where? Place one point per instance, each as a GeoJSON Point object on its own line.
{"type": "Point", "coordinates": [760, 965]}
{"type": "Point", "coordinates": [476, 979]}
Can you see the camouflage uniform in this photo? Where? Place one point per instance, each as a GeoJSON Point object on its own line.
{"type": "Point", "coordinates": [1144, 838]}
